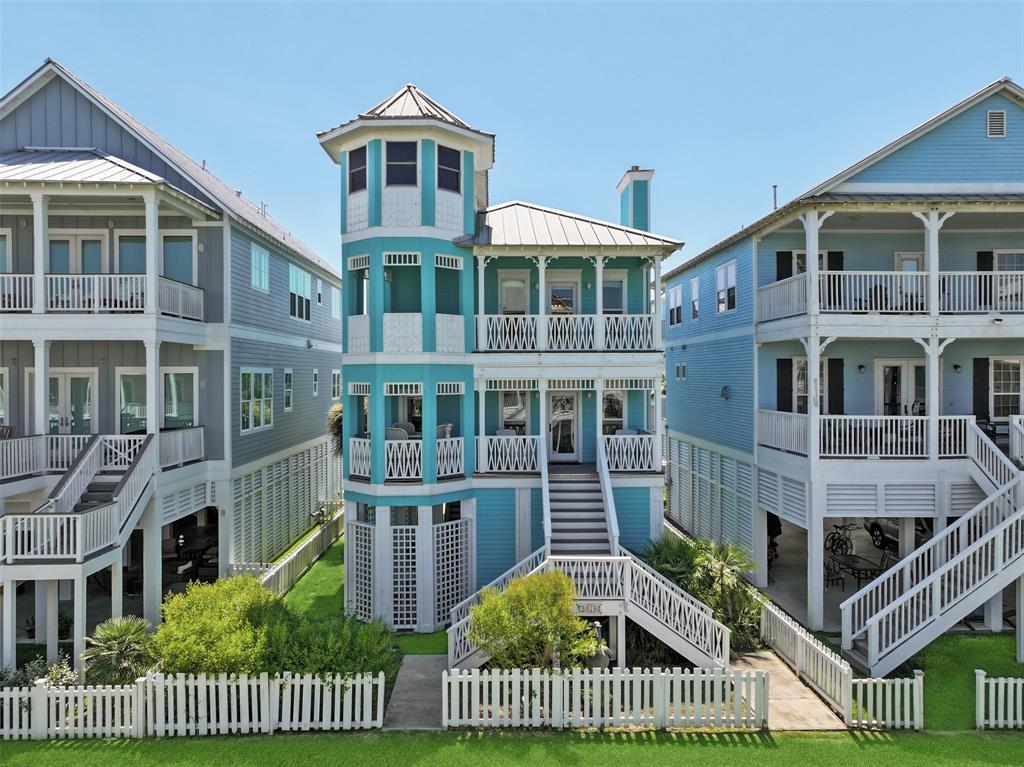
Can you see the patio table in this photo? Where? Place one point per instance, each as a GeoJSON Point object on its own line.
{"type": "Point", "coordinates": [864, 570]}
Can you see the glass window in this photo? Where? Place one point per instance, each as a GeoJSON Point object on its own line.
{"type": "Point", "coordinates": [178, 258]}
{"type": "Point", "coordinates": [357, 170]}
{"type": "Point", "coordinates": [614, 296]}
{"type": "Point", "coordinates": [1006, 388]}
{"type": "Point", "coordinates": [413, 409]}
{"type": "Point", "coordinates": [133, 403]}
{"type": "Point", "coordinates": [514, 411]}
{"type": "Point", "coordinates": [131, 254]}
{"type": "Point", "coordinates": [60, 257]}
{"type": "Point", "coordinates": [800, 385]}
{"type": "Point", "coordinates": [335, 384]}
{"type": "Point", "coordinates": [335, 303]}
{"type": "Point", "coordinates": [179, 400]}
{"type": "Point", "coordinates": [259, 267]}
{"type": "Point", "coordinates": [694, 298]}
{"type": "Point", "coordinates": [1005, 261]}
{"type": "Point", "coordinates": [257, 399]}
{"type": "Point", "coordinates": [300, 292]}
{"type": "Point", "coordinates": [5, 251]}
{"type": "Point", "coordinates": [612, 410]}
{"type": "Point", "coordinates": [449, 169]}
{"type": "Point", "coordinates": [401, 163]}
{"type": "Point", "coordinates": [725, 285]}
{"type": "Point", "coordinates": [675, 305]}
{"type": "Point", "coordinates": [316, 382]}
{"type": "Point", "coordinates": [92, 257]}
{"type": "Point", "coordinates": [563, 299]}
{"type": "Point", "coordinates": [288, 378]}
{"type": "Point", "coordinates": [513, 295]}
{"type": "Point", "coordinates": [800, 261]}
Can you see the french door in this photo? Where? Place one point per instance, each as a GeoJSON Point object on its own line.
{"type": "Point", "coordinates": [71, 402]}
{"type": "Point", "coordinates": [563, 430]}
{"type": "Point", "coordinates": [900, 387]}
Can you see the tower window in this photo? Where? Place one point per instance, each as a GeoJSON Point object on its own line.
{"type": "Point", "coordinates": [357, 170]}
{"type": "Point", "coordinates": [401, 163]}
{"type": "Point", "coordinates": [449, 169]}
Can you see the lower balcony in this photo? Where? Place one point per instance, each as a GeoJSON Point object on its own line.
{"type": "Point", "coordinates": [522, 454]}
{"type": "Point", "coordinates": [403, 458]}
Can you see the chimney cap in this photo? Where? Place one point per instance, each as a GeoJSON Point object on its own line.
{"type": "Point", "coordinates": [635, 173]}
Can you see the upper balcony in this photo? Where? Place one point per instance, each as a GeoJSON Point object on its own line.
{"type": "Point", "coordinates": [99, 294]}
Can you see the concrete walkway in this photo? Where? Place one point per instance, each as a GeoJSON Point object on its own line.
{"type": "Point", "coordinates": [416, 700]}
{"type": "Point", "coordinates": [792, 705]}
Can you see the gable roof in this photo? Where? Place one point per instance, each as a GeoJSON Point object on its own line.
{"type": "Point", "coordinates": [822, 193]}
{"type": "Point", "coordinates": [71, 166]}
{"type": "Point", "coordinates": [231, 200]}
{"type": "Point", "coordinates": [521, 224]}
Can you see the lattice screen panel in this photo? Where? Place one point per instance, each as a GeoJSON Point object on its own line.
{"type": "Point", "coordinates": [451, 567]}
{"type": "Point", "coordinates": [401, 259]}
{"type": "Point", "coordinates": [362, 555]}
{"type": "Point", "coordinates": [445, 261]}
{"type": "Point", "coordinates": [403, 573]}
{"type": "Point", "coordinates": [358, 262]}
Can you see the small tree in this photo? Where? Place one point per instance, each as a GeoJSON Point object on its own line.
{"type": "Point", "coordinates": [119, 652]}
{"type": "Point", "coordinates": [533, 624]}
{"type": "Point", "coordinates": [335, 419]}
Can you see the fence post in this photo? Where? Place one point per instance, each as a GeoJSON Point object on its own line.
{"type": "Point", "coordinates": [380, 699]}
{"type": "Point", "coordinates": [979, 699]}
{"type": "Point", "coordinates": [139, 709]}
{"type": "Point", "coordinates": [660, 698]}
{"type": "Point", "coordinates": [444, 699]}
{"type": "Point", "coordinates": [848, 697]}
{"type": "Point", "coordinates": [765, 680]}
{"type": "Point", "coordinates": [918, 700]}
{"type": "Point", "coordinates": [557, 713]}
{"type": "Point", "coordinates": [268, 696]}
{"type": "Point", "coordinates": [37, 704]}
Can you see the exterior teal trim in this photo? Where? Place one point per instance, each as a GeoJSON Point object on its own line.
{"type": "Point", "coordinates": [428, 299]}
{"type": "Point", "coordinates": [468, 194]}
{"type": "Point", "coordinates": [343, 164]}
{"type": "Point", "coordinates": [641, 205]}
{"type": "Point", "coordinates": [374, 160]}
{"type": "Point", "coordinates": [428, 181]}
{"type": "Point", "coordinates": [408, 500]}
{"type": "Point", "coordinates": [624, 207]}
{"type": "Point", "coordinates": [633, 510]}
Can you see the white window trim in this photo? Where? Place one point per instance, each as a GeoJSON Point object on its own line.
{"type": "Point", "coordinates": [881, 362]}
{"type": "Point", "coordinates": [675, 301]}
{"type": "Point", "coordinates": [823, 362]}
{"type": "Point", "coordinates": [995, 256]}
{"type": "Point", "coordinates": [437, 169]}
{"type": "Point", "coordinates": [264, 426]}
{"type": "Point", "coordinates": [319, 291]}
{"type": "Point", "coordinates": [384, 164]}
{"type": "Point", "coordinates": [288, 391]}
{"type": "Point", "coordinates": [625, 406]}
{"type": "Point", "coordinates": [527, 405]}
{"type": "Point", "coordinates": [252, 274]}
{"type": "Point", "coordinates": [514, 274]}
{"type": "Point", "coordinates": [316, 382]}
{"type": "Point", "coordinates": [898, 255]}
{"type": "Point", "coordinates": [822, 261]}
{"type": "Point", "coordinates": [694, 298]}
{"type": "Point", "coordinates": [5, 395]}
{"type": "Point", "coordinates": [992, 388]}
{"type": "Point", "coordinates": [573, 277]}
{"type": "Point", "coordinates": [194, 370]}
{"type": "Point", "coordinates": [115, 256]}
{"type": "Point", "coordinates": [988, 129]}
{"type": "Point", "coordinates": [681, 371]}
{"type": "Point", "coordinates": [336, 375]}
{"type": "Point", "coordinates": [75, 236]}
{"type": "Point", "coordinates": [615, 275]}
{"type": "Point", "coordinates": [93, 373]}
{"type": "Point", "coordinates": [9, 234]}
{"type": "Point", "coordinates": [164, 233]}
{"type": "Point", "coordinates": [308, 298]}
{"type": "Point", "coordinates": [735, 292]}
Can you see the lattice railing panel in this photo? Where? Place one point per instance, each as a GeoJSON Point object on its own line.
{"type": "Point", "coordinates": [362, 570]}
{"type": "Point", "coordinates": [571, 332]}
{"type": "Point", "coordinates": [450, 455]}
{"type": "Point", "coordinates": [403, 574]}
{"type": "Point", "coordinates": [403, 459]}
{"type": "Point", "coordinates": [511, 333]}
{"type": "Point", "coordinates": [628, 332]}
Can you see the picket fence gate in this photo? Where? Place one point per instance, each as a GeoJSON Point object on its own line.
{"type": "Point", "coordinates": [177, 705]}
{"type": "Point", "coordinates": [887, 704]}
{"type": "Point", "coordinates": [653, 698]}
{"type": "Point", "coordinates": [999, 702]}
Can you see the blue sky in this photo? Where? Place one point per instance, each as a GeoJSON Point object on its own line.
{"type": "Point", "coordinates": [722, 99]}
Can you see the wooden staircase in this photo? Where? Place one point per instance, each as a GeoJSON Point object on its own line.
{"type": "Point", "coordinates": [578, 525]}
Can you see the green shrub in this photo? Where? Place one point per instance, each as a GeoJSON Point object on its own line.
{"type": "Point", "coordinates": [337, 645]}
{"type": "Point", "coordinates": [119, 652]}
{"type": "Point", "coordinates": [533, 624]}
{"type": "Point", "coordinates": [58, 674]}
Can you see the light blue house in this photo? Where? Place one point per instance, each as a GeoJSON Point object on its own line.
{"type": "Point", "coordinates": [499, 367]}
{"type": "Point", "coordinates": [168, 356]}
{"type": "Point", "coordinates": [877, 382]}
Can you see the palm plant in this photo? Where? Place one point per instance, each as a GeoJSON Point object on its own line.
{"type": "Point", "coordinates": [335, 418]}
{"type": "Point", "coordinates": [119, 652]}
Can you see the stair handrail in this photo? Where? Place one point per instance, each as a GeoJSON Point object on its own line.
{"type": "Point", "coordinates": [1017, 438]}
{"type": "Point", "coordinates": [935, 580]}
{"type": "Point", "coordinates": [987, 456]}
{"type": "Point", "coordinates": [545, 490]}
{"type": "Point", "coordinates": [525, 566]}
{"type": "Point", "coordinates": [72, 484]}
{"type": "Point", "coordinates": [922, 562]}
{"type": "Point", "coordinates": [669, 584]}
{"type": "Point", "coordinates": [611, 518]}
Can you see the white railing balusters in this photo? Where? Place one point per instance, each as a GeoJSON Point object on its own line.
{"type": "Point", "coordinates": [359, 457]}
{"type": "Point", "coordinates": [16, 292]}
{"type": "Point", "coordinates": [782, 431]}
{"type": "Point", "coordinates": [630, 452]}
{"type": "Point", "coordinates": [403, 459]}
{"type": "Point", "coordinates": [180, 299]}
{"type": "Point", "coordinates": [180, 446]}
{"type": "Point", "coordinates": [450, 457]}
{"type": "Point", "coordinates": [873, 436]}
{"type": "Point", "coordinates": [95, 292]}
{"type": "Point", "coordinates": [785, 298]}
{"type": "Point", "coordinates": [981, 292]}
{"type": "Point", "coordinates": [1017, 438]}
{"type": "Point", "coordinates": [884, 292]}
{"type": "Point", "coordinates": [509, 454]}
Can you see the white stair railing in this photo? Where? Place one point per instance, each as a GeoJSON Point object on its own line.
{"type": "Point", "coordinates": [611, 519]}
{"type": "Point", "coordinates": [990, 460]}
{"type": "Point", "coordinates": [1017, 438]}
{"type": "Point", "coordinates": [69, 489]}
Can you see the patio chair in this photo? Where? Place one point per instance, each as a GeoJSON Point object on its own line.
{"type": "Point", "coordinates": [394, 432]}
{"type": "Point", "coordinates": [6, 432]}
{"type": "Point", "coordinates": [833, 577]}
{"type": "Point", "coordinates": [408, 427]}
{"type": "Point", "coordinates": [444, 431]}
{"type": "Point", "coordinates": [625, 432]}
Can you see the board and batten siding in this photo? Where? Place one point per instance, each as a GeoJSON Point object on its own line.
{"type": "Point", "coordinates": [495, 533]}
{"type": "Point", "coordinates": [255, 308]}
{"type": "Point", "coordinates": [633, 512]}
{"type": "Point", "coordinates": [308, 417]}
{"type": "Point", "coordinates": [958, 151]}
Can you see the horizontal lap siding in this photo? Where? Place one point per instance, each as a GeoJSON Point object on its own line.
{"type": "Point", "coordinates": [308, 418]}
{"type": "Point", "coordinates": [495, 533]}
{"type": "Point", "coordinates": [270, 310]}
{"type": "Point", "coordinates": [958, 151]}
{"type": "Point", "coordinates": [633, 511]}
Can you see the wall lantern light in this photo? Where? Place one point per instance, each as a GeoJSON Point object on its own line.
{"type": "Point", "coordinates": [861, 369]}
{"type": "Point", "coordinates": [725, 392]}
{"type": "Point", "coordinates": [957, 368]}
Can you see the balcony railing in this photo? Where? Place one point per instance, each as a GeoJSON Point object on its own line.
{"type": "Point", "coordinates": [403, 333]}
{"type": "Point", "coordinates": [782, 431]}
{"type": "Point", "coordinates": [630, 452]}
{"type": "Point", "coordinates": [181, 446]}
{"type": "Point", "coordinates": [40, 454]}
{"type": "Point", "coordinates": [567, 332]}
{"type": "Point", "coordinates": [450, 457]}
{"type": "Point", "coordinates": [450, 333]}
{"type": "Point", "coordinates": [513, 454]}
{"type": "Point", "coordinates": [16, 292]}
{"type": "Point", "coordinates": [359, 334]}
{"type": "Point", "coordinates": [359, 457]}
{"type": "Point", "coordinates": [403, 459]}
{"type": "Point", "coordinates": [180, 299]}
{"type": "Point", "coordinates": [864, 292]}
{"type": "Point", "coordinates": [95, 293]}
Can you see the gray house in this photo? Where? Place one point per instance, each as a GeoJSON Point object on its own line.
{"type": "Point", "coordinates": [168, 356]}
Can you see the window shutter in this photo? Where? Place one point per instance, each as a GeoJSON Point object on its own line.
{"type": "Point", "coordinates": [986, 263]}
{"type": "Point", "coordinates": [981, 388]}
{"type": "Point", "coordinates": [834, 292]}
{"type": "Point", "coordinates": [835, 261]}
{"type": "Point", "coordinates": [784, 385]}
{"type": "Point", "coordinates": [836, 386]}
{"type": "Point", "coordinates": [783, 264]}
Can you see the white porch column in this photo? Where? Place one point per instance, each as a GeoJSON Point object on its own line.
{"type": "Point", "coordinates": [907, 537]}
{"type": "Point", "coordinates": [1020, 624]}
{"type": "Point", "coordinates": [52, 622]}
{"type": "Point", "coordinates": [481, 430]}
{"type": "Point", "coordinates": [994, 613]}
{"type": "Point", "coordinates": [656, 269]}
{"type": "Point", "coordinates": [116, 589]}
{"type": "Point", "coordinates": [481, 318]}
{"type": "Point", "coordinates": [813, 346]}
{"type": "Point", "coordinates": [79, 627]}
{"type": "Point", "coordinates": [811, 224]}
{"type": "Point", "coordinates": [599, 409]}
{"type": "Point", "coordinates": [543, 424]}
{"type": "Point", "coordinates": [40, 246]}
{"type": "Point", "coordinates": [152, 251]}
{"type": "Point", "coordinates": [815, 559]}
{"type": "Point", "coordinates": [933, 221]}
{"type": "Point", "coordinates": [41, 387]}
{"type": "Point", "coordinates": [933, 349]}
{"type": "Point", "coordinates": [426, 573]}
{"type": "Point", "coordinates": [225, 523]}
{"type": "Point", "coordinates": [153, 404]}
{"type": "Point", "coordinates": [543, 304]}
{"type": "Point", "coordinates": [152, 564]}
{"type": "Point", "coordinates": [659, 426]}
{"type": "Point", "coordinates": [599, 342]}
{"type": "Point", "coordinates": [10, 623]}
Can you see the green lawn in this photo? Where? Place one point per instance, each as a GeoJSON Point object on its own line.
{"type": "Point", "coordinates": [320, 593]}
{"type": "Point", "coordinates": [424, 644]}
{"type": "Point", "coordinates": [948, 664]}
{"type": "Point", "coordinates": [537, 749]}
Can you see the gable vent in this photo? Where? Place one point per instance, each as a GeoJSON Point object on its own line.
{"type": "Point", "coordinates": [997, 123]}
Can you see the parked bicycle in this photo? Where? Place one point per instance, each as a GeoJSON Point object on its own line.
{"type": "Point", "coordinates": [840, 540]}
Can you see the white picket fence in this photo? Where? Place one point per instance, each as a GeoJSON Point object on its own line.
{"type": "Point", "coordinates": [999, 702]}
{"type": "Point", "coordinates": [281, 576]}
{"type": "Point", "coordinates": [655, 698]}
{"type": "Point", "coordinates": [193, 705]}
{"type": "Point", "coordinates": [887, 704]}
